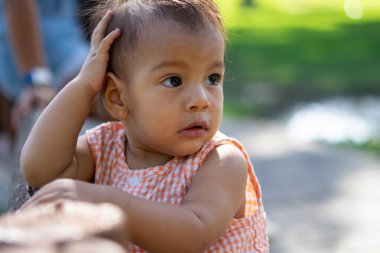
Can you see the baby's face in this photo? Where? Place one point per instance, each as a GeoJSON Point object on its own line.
{"type": "Point", "coordinates": [174, 93]}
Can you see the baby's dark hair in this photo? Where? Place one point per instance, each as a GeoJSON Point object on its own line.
{"type": "Point", "coordinates": [134, 16]}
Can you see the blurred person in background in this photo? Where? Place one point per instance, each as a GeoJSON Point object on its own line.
{"type": "Point", "coordinates": [41, 49]}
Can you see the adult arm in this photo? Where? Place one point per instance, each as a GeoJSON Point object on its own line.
{"type": "Point", "coordinates": [25, 34]}
{"type": "Point", "coordinates": [25, 37]}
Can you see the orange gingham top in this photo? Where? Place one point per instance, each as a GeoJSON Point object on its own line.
{"type": "Point", "coordinates": [169, 184]}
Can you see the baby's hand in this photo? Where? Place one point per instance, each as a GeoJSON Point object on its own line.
{"type": "Point", "coordinates": [95, 66]}
{"type": "Point", "coordinates": [64, 189]}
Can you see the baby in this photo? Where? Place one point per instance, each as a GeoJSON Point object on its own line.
{"type": "Point", "coordinates": [184, 186]}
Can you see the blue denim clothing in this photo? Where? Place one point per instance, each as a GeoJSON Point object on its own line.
{"type": "Point", "coordinates": [64, 44]}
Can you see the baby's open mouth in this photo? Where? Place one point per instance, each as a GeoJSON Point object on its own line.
{"type": "Point", "coordinates": [199, 124]}
{"type": "Point", "coordinates": [195, 129]}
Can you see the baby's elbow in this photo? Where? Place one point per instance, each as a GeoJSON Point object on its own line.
{"type": "Point", "coordinates": [195, 239]}
{"type": "Point", "coordinates": [204, 237]}
{"type": "Point", "coordinates": [30, 177]}
{"type": "Point", "coordinates": [29, 171]}
{"type": "Point", "coordinates": [200, 244]}
{"type": "Point", "coordinates": [204, 241]}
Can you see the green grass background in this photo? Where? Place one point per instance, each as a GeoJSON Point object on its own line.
{"type": "Point", "coordinates": [281, 52]}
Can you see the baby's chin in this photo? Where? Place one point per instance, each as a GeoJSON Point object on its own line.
{"type": "Point", "coordinates": [188, 149]}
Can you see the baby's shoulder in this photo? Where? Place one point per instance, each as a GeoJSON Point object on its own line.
{"type": "Point", "coordinates": [222, 147]}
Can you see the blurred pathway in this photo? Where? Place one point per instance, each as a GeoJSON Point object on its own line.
{"type": "Point", "coordinates": [318, 199]}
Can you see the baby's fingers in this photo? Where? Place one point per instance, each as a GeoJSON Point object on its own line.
{"type": "Point", "coordinates": [100, 29]}
{"type": "Point", "coordinates": [106, 43]}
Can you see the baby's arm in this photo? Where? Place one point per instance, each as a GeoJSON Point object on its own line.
{"type": "Point", "coordinates": [214, 198]}
{"type": "Point", "coordinates": [53, 149]}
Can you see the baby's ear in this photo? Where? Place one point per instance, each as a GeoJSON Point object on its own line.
{"type": "Point", "coordinates": [113, 97]}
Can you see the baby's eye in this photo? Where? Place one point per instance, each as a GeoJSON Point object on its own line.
{"type": "Point", "coordinates": [214, 79]}
{"type": "Point", "coordinates": [173, 81]}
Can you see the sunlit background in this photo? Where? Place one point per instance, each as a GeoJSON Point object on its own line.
{"type": "Point", "coordinates": [319, 58]}
{"type": "Point", "coordinates": [305, 76]}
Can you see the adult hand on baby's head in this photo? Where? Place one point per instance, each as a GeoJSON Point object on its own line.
{"type": "Point", "coordinates": [95, 66]}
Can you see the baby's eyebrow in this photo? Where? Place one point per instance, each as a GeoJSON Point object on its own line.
{"type": "Point", "coordinates": [167, 64]}
{"type": "Point", "coordinates": [216, 64]}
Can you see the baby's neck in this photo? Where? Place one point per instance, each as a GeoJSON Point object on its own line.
{"type": "Point", "coordinates": [142, 159]}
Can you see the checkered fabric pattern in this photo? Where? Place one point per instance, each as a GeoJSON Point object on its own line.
{"type": "Point", "coordinates": [169, 184]}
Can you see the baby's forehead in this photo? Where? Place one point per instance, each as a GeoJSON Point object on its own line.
{"type": "Point", "coordinates": [169, 32]}
{"type": "Point", "coordinates": [160, 27]}
{"type": "Point", "coordinates": [144, 26]}
{"type": "Point", "coordinates": [170, 40]}
{"type": "Point", "coordinates": [155, 30]}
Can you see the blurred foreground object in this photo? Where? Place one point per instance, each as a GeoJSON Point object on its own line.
{"type": "Point", "coordinates": [65, 226]}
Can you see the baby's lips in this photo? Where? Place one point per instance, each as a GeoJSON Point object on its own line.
{"type": "Point", "coordinates": [198, 123]}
